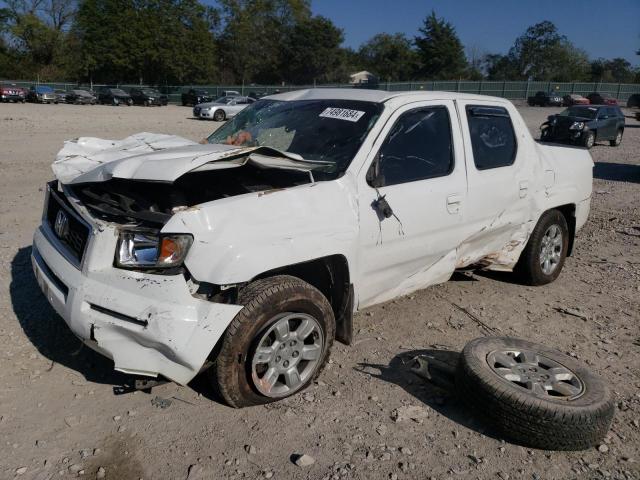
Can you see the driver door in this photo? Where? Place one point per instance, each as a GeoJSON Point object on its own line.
{"type": "Point", "coordinates": [417, 167]}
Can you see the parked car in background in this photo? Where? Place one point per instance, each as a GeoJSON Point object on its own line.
{"type": "Point", "coordinates": [574, 99]}
{"type": "Point", "coordinates": [114, 96]}
{"type": "Point", "coordinates": [42, 94]}
{"type": "Point", "coordinates": [229, 93]}
{"type": "Point", "coordinates": [585, 125]}
{"type": "Point", "coordinates": [251, 253]}
{"type": "Point", "coordinates": [62, 95]}
{"type": "Point", "coordinates": [633, 100]}
{"type": "Point", "coordinates": [147, 97]}
{"type": "Point", "coordinates": [80, 97]}
{"type": "Point", "coordinates": [222, 108]}
{"type": "Point", "coordinates": [597, 98]}
{"type": "Point", "coordinates": [544, 99]}
{"type": "Point", "coordinates": [194, 96]}
{"type": "Point", "coordinates": [12, 93]}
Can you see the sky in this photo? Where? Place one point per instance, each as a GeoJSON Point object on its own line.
{"type": "Point", "coordinates": [603, 28]}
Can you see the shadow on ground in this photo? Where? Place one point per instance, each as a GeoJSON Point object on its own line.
{"type": "Point", "coordinates": [442, 398]}
{"type": "Point", "coordinates": [619, 172]}
{"type": "Point", "coordinates": [48, 332]}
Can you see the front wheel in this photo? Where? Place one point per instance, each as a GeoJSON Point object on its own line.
{"type": "Point", "coordinates": [544, 135]}
{"type": "Point", "coordinates": [589, 140]}
{"type": "Point", "coordinates": [277, 344]}
{"type": "Point", "coordinates": [617, 140]}
{"type": "Point", "coordinates": [219, 116]}
{"type": "Point", "coordinates": [543, 258]}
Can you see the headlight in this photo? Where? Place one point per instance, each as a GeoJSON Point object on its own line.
{"type": "Point", "coordinates": [150, 250]}
{"type": "Point", "coordinates": [577, 126]}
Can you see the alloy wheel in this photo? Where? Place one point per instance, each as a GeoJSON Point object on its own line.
{"type": "Point", "coordinates": [287, 354]}
{"type": "Point", "coordinates": [551, 249]}
{"type": "Point", "coordinates": [537, 373]}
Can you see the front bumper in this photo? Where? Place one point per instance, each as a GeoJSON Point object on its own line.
{"type": "Point", "coordinates": [206, 114]}
{"type": "Point", "coordinates": [147, 324]}
{"type": "Point", "coordinates": [565, 135]}
{"type": "Point", "coordinates": [8, 97]}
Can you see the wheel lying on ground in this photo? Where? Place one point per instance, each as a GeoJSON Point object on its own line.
{"type": "Point", "coordinates": [534, 395]}
{"type": "Point", "coordinates": [543, 258]}
{"type": "Point", "coordinates": [277, 344]}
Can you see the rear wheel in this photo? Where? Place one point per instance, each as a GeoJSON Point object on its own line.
{"type": "Point", "coordinates": [277, 344]}
{"type": "Point", "coordinates": [617, 140]}
{"type": "Point", "coordinates": [543, 258]}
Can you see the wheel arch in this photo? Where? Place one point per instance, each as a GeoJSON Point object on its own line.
{"type": "Point", "coordinates": [569, 213]}
{"type": "Point", "coordinates": [331, 276]}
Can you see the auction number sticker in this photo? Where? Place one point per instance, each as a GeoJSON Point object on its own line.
{"type": "Point", "coordinates": [342, 114]}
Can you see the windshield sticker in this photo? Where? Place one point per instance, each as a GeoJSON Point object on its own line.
{"type": "Point", "coordinates": [342, 114]}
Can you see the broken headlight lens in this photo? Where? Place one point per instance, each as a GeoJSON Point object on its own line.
{"type": "Point", "coordinates": [149, 250]}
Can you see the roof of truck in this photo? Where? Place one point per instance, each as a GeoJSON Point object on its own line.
{"type": "Point", "coordinates": [378, 96]}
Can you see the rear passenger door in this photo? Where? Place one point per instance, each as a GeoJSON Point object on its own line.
{"type": "Point", "coordinates": [501, 177]}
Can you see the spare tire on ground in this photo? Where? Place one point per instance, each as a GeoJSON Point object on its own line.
{"type": "Point", "coordinates": [534, 395]}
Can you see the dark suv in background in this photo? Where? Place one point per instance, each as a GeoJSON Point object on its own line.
{"type": "Point", "coordinates": [113, 96]}
{"type": "Point", "coordinates": [147, 97]}
{"type": "Point", "coordinates": [194, 96]}
{"type": "Point", "coordinates": [585, 125]}
{"type": "Point", "coordinates": [545, 99]}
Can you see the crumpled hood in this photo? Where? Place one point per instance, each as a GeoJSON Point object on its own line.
{"type": "Point", "coordinates": [158, 158]}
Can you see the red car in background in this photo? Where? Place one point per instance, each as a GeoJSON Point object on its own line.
{"type": "Point", "coordinates": [574, 99]}
{"type": "Point", "coordinates": [11, 93]}
{"type": "Point", "coordinates": [601, 99]}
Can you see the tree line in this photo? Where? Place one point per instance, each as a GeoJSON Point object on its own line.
{"type": "Point", "coordinates": [261, 41]}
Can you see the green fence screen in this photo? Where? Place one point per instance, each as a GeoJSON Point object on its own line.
{"type": "Point", "coordinates": [511, 90]}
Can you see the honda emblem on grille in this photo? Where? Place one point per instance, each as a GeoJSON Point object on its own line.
{"type": "Point", "coordinates": [61, 227]}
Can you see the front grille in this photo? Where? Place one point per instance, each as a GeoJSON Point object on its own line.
{"type": "Point", "coordinates": [66, 226]}
{"type": "Point", "coordinates": [196, 111]}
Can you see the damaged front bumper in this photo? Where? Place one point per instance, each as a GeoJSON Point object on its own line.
{"type": "Point", "coordinates": [149, 324]}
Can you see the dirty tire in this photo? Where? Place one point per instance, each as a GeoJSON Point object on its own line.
{"type": "Point", "coordinates": [617, 140]}
{"type": "Point", "coordinates": [219, 116]}
{"type": "Point", "coordinates": [524, 418]}
{"type": "Point", "coordinates": [263, 300]}
{"type": "Point", "coordinates": [528, 268]}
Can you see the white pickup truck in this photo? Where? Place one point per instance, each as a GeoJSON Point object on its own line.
{"type": "Point", "coordinates": [253, 250]}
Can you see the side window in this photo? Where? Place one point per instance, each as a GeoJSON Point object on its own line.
{"type": "Point", "coordinates": [419, 146]}
{"type": "Point", "coordinates": [492, 137]}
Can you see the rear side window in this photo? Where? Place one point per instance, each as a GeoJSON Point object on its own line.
{"type": "Point", "coordinates": [492, 137]}
{"type": "Point", "coordinates": [418, 147]}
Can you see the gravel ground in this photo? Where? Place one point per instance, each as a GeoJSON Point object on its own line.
{"type": "Point", "coordinates": [59, 417]}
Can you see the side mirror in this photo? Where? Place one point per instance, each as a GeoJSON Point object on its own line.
{"type": "Point", "coordinates": [374, 177]}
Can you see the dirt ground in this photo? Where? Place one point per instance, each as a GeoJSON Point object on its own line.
{"type": "Point", "coordinates": [59, 417]}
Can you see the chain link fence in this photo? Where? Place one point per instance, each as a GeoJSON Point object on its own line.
{"type": "Point", "coordinates": [512, 90]}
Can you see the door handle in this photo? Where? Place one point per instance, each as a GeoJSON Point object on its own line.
{"type": "Point", "coordinates": [524, 188]}
{"type": "Point", "coordinates": [453, 203]}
